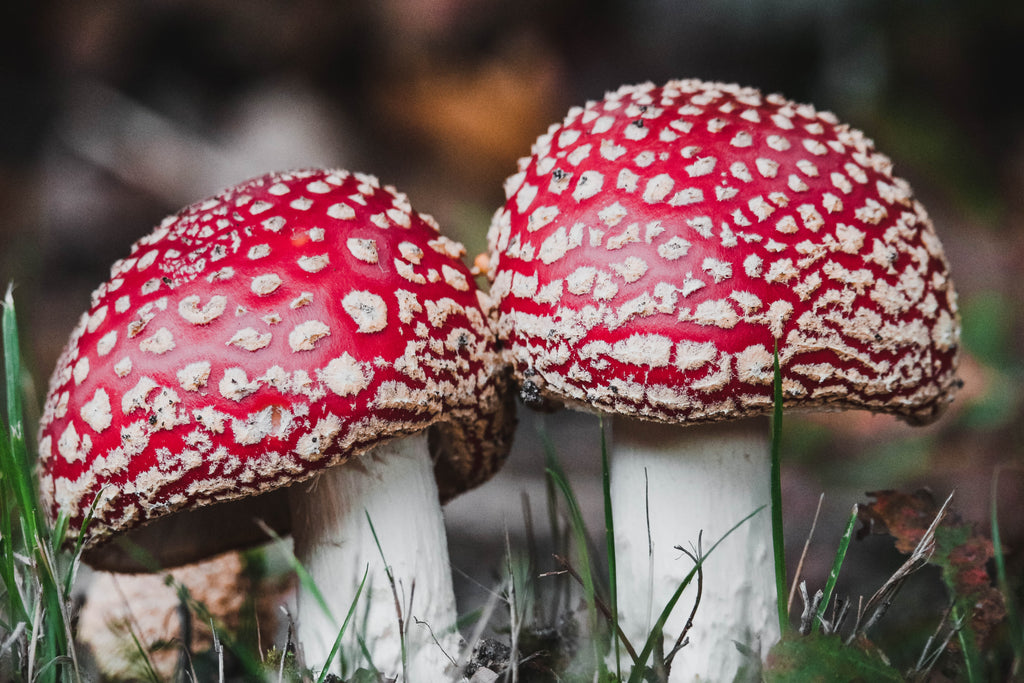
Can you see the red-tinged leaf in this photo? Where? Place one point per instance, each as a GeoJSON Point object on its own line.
{"type": "Point", "coordinates": [904, 516]}
{"type": "Point", "coordinates": [960, 551]}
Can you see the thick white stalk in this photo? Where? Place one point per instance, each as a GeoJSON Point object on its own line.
{"type": "Point", "coordinates": [685, 480]}
{"type": "Point", "coordinates": [395, 484]}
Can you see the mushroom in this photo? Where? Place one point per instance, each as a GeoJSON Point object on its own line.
{"type": "Point", "coordinates": [304, 330]}
{"type": "Point", "coordinates": [653, 251]}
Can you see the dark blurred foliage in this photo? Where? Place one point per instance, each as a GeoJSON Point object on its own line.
{"type": "Point", "coordinates": [118, 112]}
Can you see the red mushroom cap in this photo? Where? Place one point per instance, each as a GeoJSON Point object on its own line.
{"type": "Point", "coordinates": [658, 243]}
{"type": "Point", "coordinates": [253, 339]}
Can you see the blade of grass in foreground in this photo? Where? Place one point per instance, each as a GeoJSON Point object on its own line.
{"type": "Point", "coordinates": [609, 535]}
{"type": "Point", "coordinates": [49, 617]}
{"type": "Point", "coordinates": [344, 627]}
{"type": "Point", "coordinates": [557, 474]}
{"type": "Point", "coordinates": [394, 593]}
{"type": "Point", "coordinates": [837, 565]}
{"type": "Point", "coordinates": [22, 473]}
{"type": "Point", "coordinates": [636, 676]}
{"type": "Point", "coordinates": [1013, 619]}
{"type": "Point", "coordinates": [778, 537]}
{"type": "Point", "coordinates": [306, 581]}
{"type": "Point", "coordinates": [10, 497]}
{"type": "Point", "coordinates": [14, 611]}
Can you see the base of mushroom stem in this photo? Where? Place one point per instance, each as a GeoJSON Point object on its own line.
{"type": "Point", "coordinates": [670, 486]}
{"type": "Point", "coordinates": [394, 486]}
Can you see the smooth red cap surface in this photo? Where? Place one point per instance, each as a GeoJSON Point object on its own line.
{"type": "Point", "coordinates": [658, 243]}
{"type": "Point", "coordinates": [251, 340]}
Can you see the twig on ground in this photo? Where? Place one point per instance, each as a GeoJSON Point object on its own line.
{"type": "Point", "coordinates": [803, 555]}
{"type": "Point", "coordinates": [930, 656]}
{"type": "Point", "coordinates": [698, 559]}
{"type": "Point", "coordinates": [420, 622]}
{"type": "Point", "coordinates": [218, 647]}
{"type": "Point", "coordinates": [880, 602]}
{"type": "Point", "coordinates": [810, 608]}
{"type": "Point", "coordinates": [288, 643]}
{"type": "Point", "coordinates": [600, 604]}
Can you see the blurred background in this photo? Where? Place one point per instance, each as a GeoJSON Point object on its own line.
{"type": "Point", "coordinates": [119, 112]}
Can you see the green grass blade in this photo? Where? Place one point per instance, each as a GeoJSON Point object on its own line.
{"type": "Point", "coordinates": [14, 605]}
{"type": "Point", "coordinates": [305, 580]}
{"type": "Point", "coordinates": [558, 537]}
{"type": "Point", "coordinates": [147, 664]}
{"type": "Point", "coordinates": [247, 659]}
{"type": "Point", "coordinates": [21, 474]}
{"type": "Point", "coordinates": [11, 542]}
{"type": "Point", "coordinates": [586, 575]}
{"type": "Point", "coordinates": [1013, 619]}
{"type": "Point", "coordinates": [965, 636]}
{"type": "Point", "coordinates": [557, 475]}
{"type": "Point", "coordinates": [837, 565]}
{"type": "Point", "coordinates": [394, 592]}
{"type": "Point", "coordinates": [344, 626]}
{"type": "Point", "coordinates": [60, 534]}
{"type": "Point", "coordinates": [609, 535]}
{"type": "Point", "coordinates": [49, 615]}
{"type": "Point", "coordinates": [636, 675]}
{"type": "Point", "coordinates": [55, 605]}
{"type": "Point", "coordinates": [376, 674]}
{"type": "Point", "coordinates": [778, 536]}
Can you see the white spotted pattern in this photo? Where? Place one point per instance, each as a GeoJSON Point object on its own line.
{"type": "Point", "coordinates": [733, 221]}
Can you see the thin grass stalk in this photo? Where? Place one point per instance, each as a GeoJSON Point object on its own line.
{"type": "Point", "coordinates": [344, 626]}
{"type": "Point", "coordinates": [837, 565]}
{"type": "Point", "coordinates": [60, 535]}
{"type": "Point", "coordinates": [478, 629]}
{"type": "Point", "coordinates": [682, 639]}
{"type": "Point", "coordinates": [567, 568]}
{"type": "Point", "coordinates": [288, 645]}
{"type": "Point", "coordinates": [60, 603]}
{"type": "Point", "coordinates": [513, 611]}
{"type": "Point", "coordinates": [532, 553]}
{"type": "Point", "coordinates": [557, 543]}
{"type": "Point", "coordinates": [931, 651]}
{"type": "Point", "coordinates": [778, 536]}
{"type": "Point", "coordinates": [16, 611]}
{"type": "Point", "coordinates": [37, 618]}
{"type": "Point", "coordinates": [367, 656]}
{"type": "Point", "coordinates": [394, 593]}
{"type": "Point", "coordinates": [218, 648]}
{"type": "Point", "coordinates": [244, 657]}
{"type": "Point", "coordinates": [1013, 619]}
{"type": "Point", "coordinates": [650, 548]}
{"type": "Point", "coordinates": [147, 663]}
{"type": "Point", "coordinates": [803, 554]}
{"type": "Point", "coordinates": [50, 620]}
{"type": "Point", "coordinates": [965, 636]}
{"type": "Point", "coordinates": [555, 472]}
{"type": "Point", "coordinates": [655, 637]}
{"type": "Point", "coordinates": [561, 533]}
{"type": "Point", "coordinates": [306, 581]}
{"type": "Point", "coordinates": [609, 535]}
{"type": "Point", "coordinates": [22, 474]}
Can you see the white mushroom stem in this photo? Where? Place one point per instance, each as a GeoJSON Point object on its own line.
{"type": "Point", "coordinates": [394, 484]}
{"type": "Point", "coordinates": [685, 480]}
